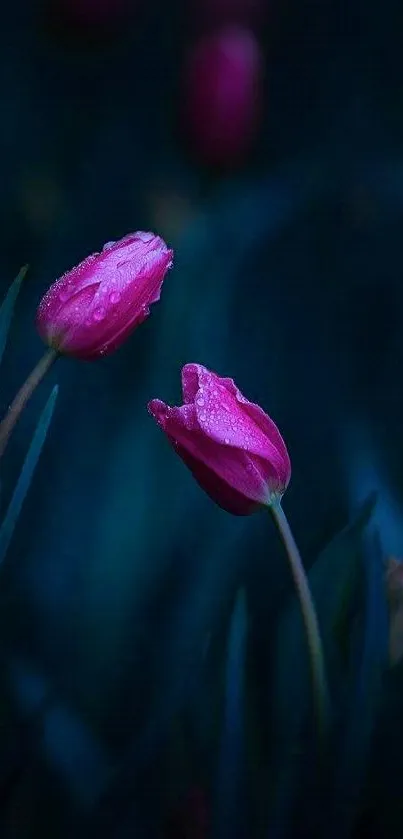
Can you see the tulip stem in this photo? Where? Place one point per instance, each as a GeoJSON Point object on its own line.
{"type": "Point", "coordinates": [21, 399]}
{"type": "Point", "coordinates": [309, 616]}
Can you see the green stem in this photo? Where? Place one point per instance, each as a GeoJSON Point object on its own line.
{"type": "Point", "coordinates": [315, 649]}
{"type": "Point", "coordinates": [18, 404]}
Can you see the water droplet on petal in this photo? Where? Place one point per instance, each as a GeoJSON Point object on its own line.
{"type": "Point", "coordinates": [108, 245]}
{"type": "Point", "coordinates": [99, 314]}
{"type": "Point", "coordinates": [203, 415]}
{"type": "Point", "coordinates": [200, 400]}
{"type": "Point", "coordinates": [144, 236]}
{"type": "Point", "coordinates": [115, 297]}
{"type": "Point", "coordinates": [226, 441]}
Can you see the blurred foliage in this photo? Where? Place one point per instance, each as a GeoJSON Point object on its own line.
{"type": "Point", "coordinates": [119, 588]}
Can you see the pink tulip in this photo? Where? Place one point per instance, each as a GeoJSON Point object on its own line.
{"type": "Point", "coordinates": [92, 309]}
{"type": "Point", "coordinates": [224, 80]}
{"type": "Point", "coordinates": [234, 450]}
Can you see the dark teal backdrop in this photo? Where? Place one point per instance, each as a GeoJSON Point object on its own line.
{"type": "Point", "coordinates": [288, 277]}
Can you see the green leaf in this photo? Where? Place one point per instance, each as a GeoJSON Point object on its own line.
{"type": "Point", "coordinates": [7, 308]}
{"type": "Point", "coordinates": [27, 471]}
{"type": "Point", "coordinates": [229, 794]}
{"type": "Point", "coordinates": [333, 580]}
{"type": "Point", "coordinates": [353, 745]}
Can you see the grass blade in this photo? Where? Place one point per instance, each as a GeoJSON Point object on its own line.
{"type": "Point", "coordinates": [370, 665]}
{"type": "Point", "coordinates": [27, 471]}
{"type": "Point", "coordinates": [7, 308]}
{"type": "Point", "coordinates": [333, 580]}
{"type": "Point", "coordinates": [230, 799]}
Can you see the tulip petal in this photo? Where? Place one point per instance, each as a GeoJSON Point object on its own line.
{"type": "Point", "coordinates": [135, 300]}
{"type": "Point", "coordinates": [212, 464]}
{"type": "Point", "coordinates": [59, 328]}
{"type": "Point", "coordinates": [190, 382]}
{"type": "Point", "coordinates": [227, 418]}
{"type": "Point", "coordinates": [217, 488]}
{"type": "Point", "coordinates": [77, 278]}
{"type": "Point", "coordinates": [223, 94]}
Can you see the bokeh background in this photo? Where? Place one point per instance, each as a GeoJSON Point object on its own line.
{"type": "Point", "coordinates": [287, 277]}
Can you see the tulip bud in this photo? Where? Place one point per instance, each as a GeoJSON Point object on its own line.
{"type": "Point", "coordinates": [92, 309]}
{"type": "Point", "coordinates": [234, 450]}
{"type": "Point", "coordinates": [224, 80]}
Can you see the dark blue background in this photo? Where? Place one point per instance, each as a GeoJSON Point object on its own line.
{"type": "Point", "coordinates": [288, 277]}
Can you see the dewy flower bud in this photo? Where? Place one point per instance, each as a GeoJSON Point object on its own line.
{"type": "Point", "coordinates": [92, 309]}
{"type": "Point", "coordinates": [234, 450]}
{"type": "Point", "coordinates": [223, 96]}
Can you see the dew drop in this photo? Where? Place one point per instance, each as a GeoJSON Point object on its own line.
{"type": "Point", "coordinates": [115, 297]}
{"type": "Point", "coordinates": [226, 441]}
{"type": "Point", "coordinates": [203, 415]}
{"type": "Point", "coordinates": [145, 237]}
{"type": "Point", "coordinates": [99, 315]}
{"type": "Point", "coordinates": [200, 400]}
{"type": "Point", "coordinates": [108, 245]}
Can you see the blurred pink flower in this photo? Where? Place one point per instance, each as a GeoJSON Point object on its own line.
{"type": "Point", "coordinates": [92, 309]}
{"type": "Point", "coordinates": [223, 100]}
{"type": "Point", "coordinates": [234, 450]}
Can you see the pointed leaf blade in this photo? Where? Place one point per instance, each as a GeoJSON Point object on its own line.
{"type": "Point", "coordinates": [24, 481]}
{"type": "Point", "coordinates": [230, 804]}
{"type": "Point", "coordinates": [333, 580]}
{"type": "Point", "coordinates": [364, 698]}
{"type": "Point", "coordinates": [7, 308]}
